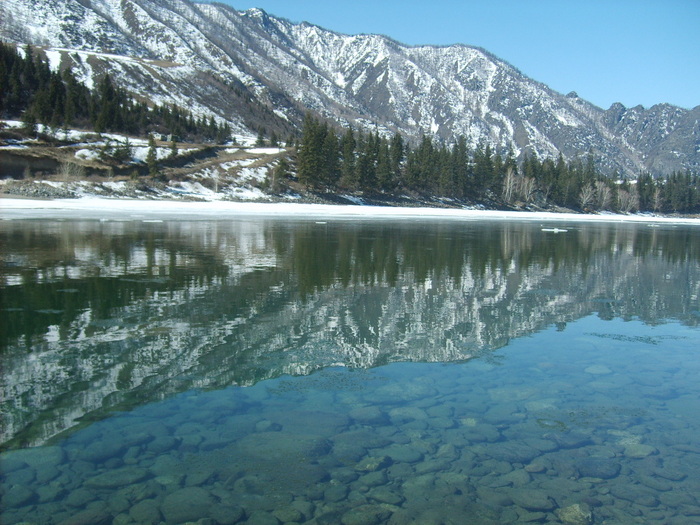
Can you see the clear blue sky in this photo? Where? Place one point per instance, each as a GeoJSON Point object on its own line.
{"type": "Point", "coordinates": [629, 51]}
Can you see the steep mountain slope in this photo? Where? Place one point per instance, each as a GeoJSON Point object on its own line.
{"type": "Point", "coordinates": [255, 70]}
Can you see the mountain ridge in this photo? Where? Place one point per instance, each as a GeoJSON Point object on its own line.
{"type": "Point", "coordinates": [212, 52]}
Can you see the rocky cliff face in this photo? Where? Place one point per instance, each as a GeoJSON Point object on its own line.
{"type": "Point", "coordinates": [253, 70]}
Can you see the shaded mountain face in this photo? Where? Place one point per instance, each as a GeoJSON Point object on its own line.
{"type": "Point", "coordinates": [255, 70]}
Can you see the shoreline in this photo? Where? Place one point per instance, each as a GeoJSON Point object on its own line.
{"type": "Point", "coordinates": [132, 209]}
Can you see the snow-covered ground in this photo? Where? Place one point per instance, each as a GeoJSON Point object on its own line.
{"type": "Point", "coordinates": [114, 209]}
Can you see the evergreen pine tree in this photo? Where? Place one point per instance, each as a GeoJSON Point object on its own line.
{"type": "Point", "coordinates": [152, 157]}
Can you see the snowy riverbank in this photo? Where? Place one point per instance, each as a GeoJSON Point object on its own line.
{"type": "Point", "coordinates": [99, 208]}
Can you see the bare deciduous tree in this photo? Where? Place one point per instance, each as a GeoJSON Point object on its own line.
{"type": "Point", "coordinates": [603, 195]}
{"type": "Point", "coordinates": [657, 199]}
{"type": "Point", "coordinates": [70, 171]}
{"type": "Point", "coordinates": [510, 184]}
{"type": "Point", "coordinates": [587, 196]}
{"type": "Point", "coordinates": [627, 200]}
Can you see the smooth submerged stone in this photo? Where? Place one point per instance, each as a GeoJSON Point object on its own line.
{"type": "Point", "coordinates": [336, 493]}
{"type": "Point", "coordinates": [598, 370]}
{"type": "Point", "coordinates": [385, 495]}
{"type": "Point", "coordinates": [283, 447]}
{"type": "Point", "coordinates": [404, 414]}
{"type": "Point", "coordinates": [373, 463]}
{"type": "Point", "coordinates": [9, 462]}
{"type": "Point", "coordinates": [602, 468]}
{"type": "Point", "coordinates": [370, 415]}
{"type": "Point", "coordinates": [374, 479]}
{"type": "Point", "coordinates": [571, 439]}
{"type": "Point", "coordinates": [225, 514]}
{"type": "Point", "coordinates": [638, 450]}
{"type": "Point", "coordinates": [92, 516]}
{"type": "Point", "coordinates": [188, 504]}
{"type": "Point", "coordinates": [288, 515]}
{"type": "Point", "coordinates": [532, 499]}
{"type": "Point", "coordinates": [366, 515]}
{"type": "Point", "coordinates": [575, 514]}
{"type": "Point", "coordinates": [118, 478]}
{"type": "Point", "coordinates": [146, 511]}
{"type": "Point", "coordinates": [101, 451]}
{"type": "Point", "coordinates": [16, 496]}
{"type": "Point", "coordinates": [37, 457]}
{"type": "Point", "coordinates": [402, 453]}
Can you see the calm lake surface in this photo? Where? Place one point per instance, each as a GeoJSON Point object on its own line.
{"type": "Point", "coordinates": [271, 371]}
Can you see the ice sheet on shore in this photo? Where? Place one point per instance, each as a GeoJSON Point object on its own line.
{"type": "Point", "coordinates": [96, 208]}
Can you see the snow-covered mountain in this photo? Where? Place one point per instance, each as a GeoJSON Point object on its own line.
{"type": "Point", "coordinates": [255, 70]}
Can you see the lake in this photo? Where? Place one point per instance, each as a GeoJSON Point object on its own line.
{"type": "Point", "coordinates": [355, 372]}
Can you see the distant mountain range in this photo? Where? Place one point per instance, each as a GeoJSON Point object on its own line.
{"type": "Point", "coordinates": [257, 71]}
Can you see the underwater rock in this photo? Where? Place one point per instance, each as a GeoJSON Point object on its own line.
{"type": "Point", "coordinates": [401, 453]}
{"type": "Point", "coordinates": [635, 494]}
{"type": "Point", "coordinates": [404, 414]}
{"type": "Point", "coordinates": [535, 467]}
{"type": "Point", "coordinates": [570, 439]}
{"type": "Point", "coordinates": [227, 514]}
{"type": "Point", "coordinates": [80, 497]}
{"type": "Point", "coordinates": [395, 393]}
{"type": "Point", "coordinates": [188, 504]}
{"type": "Point", "coordinates": [385, 495]}
{"type": "Point", "coordinates": [335, 493]}
{"type": "Point", "coordinates": [598, 370]}
{"type": "Point", "coordinates": [51, 492]}
{"type": "Point", "coordinates": [531, 499]}
{"type": "Point", "coordinates": [370, 415]}
{"type": "Point", "coordinates": [261, 517]}
{"type": "Point", "coordinates": [344, 475]}
{"type": "Point", "coordinates": [601, 468]}
{"type": "Point", "coordinates": [670, 474]}
{"type": "Point", "coordinates": [366, 515]}
{"type": "Point", "coordinates": [318, 422]}
{"type": "Point", "coordinates": [362, 438]}
{"type": "Point", "coordinates": [101, 451]}
{"type": "Point", "coordinates": [288, 515]}
{"type": "Point", "coordinates": [265, 425]}
{"type": "Point", "coordinates": [146, 511]}
{"type": "Point", "coordinates": [655, 483]}
{"type": "Point", "coordinates": [9, 462]}
{"type": "Point", "coordinates": [575, 514]}
{"type": "Point", "coordinates": [442, 423]}
{"type": "Point", "coordinates": [283, 447]}
{"type": "Point", "coordinates": [117, 478]}
{"type": "Point", "coordinates": [91, 516]}
{"type": "Point", "coordinates": [638, 450]}
{"type": "Point", "coordinates": [373, 463]}
{"type": "Point", "coordinates": [37, 457]}
{"type": "Point", "coordinates": [513, 452]}
{"type": "Point", "coordinates": [433, 465]}
{"type": "Point", "coordinates": [162, 444]}
{"type": "Point", "coordinates": [374, 479]}
{"type": "Point", "coordinates": [16, 496]}
{"type": "Point", "coordinates": [517, 478]}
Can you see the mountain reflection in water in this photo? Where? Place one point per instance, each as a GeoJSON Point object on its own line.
{"type": "Point", "coordinates": [105, 316]}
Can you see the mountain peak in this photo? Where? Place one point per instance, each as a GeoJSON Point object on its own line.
{"type": "Point", "coordinates": [268, 74]}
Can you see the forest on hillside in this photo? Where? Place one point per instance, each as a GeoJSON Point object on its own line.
{"type": "Point", "coordinates": [31, 92]}
{"type": "Point", "coordinates": [370, 163]}
{"type": "Point", "coordinates": [329, 159]}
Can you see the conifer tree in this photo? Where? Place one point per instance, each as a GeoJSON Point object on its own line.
{"type": "Point", "coordinates": [347, 160]}
{"type": "Point", "coordinates": [152, 157]}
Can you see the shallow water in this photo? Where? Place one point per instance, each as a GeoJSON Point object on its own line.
{"type": "Point", "coordinates": [356, 372]}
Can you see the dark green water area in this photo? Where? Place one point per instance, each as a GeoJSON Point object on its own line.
{"type": "Point", "coordinates": [353, 372]}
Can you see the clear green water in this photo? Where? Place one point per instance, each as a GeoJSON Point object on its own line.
{"type": "Point", "coordinates": [349, 372]}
